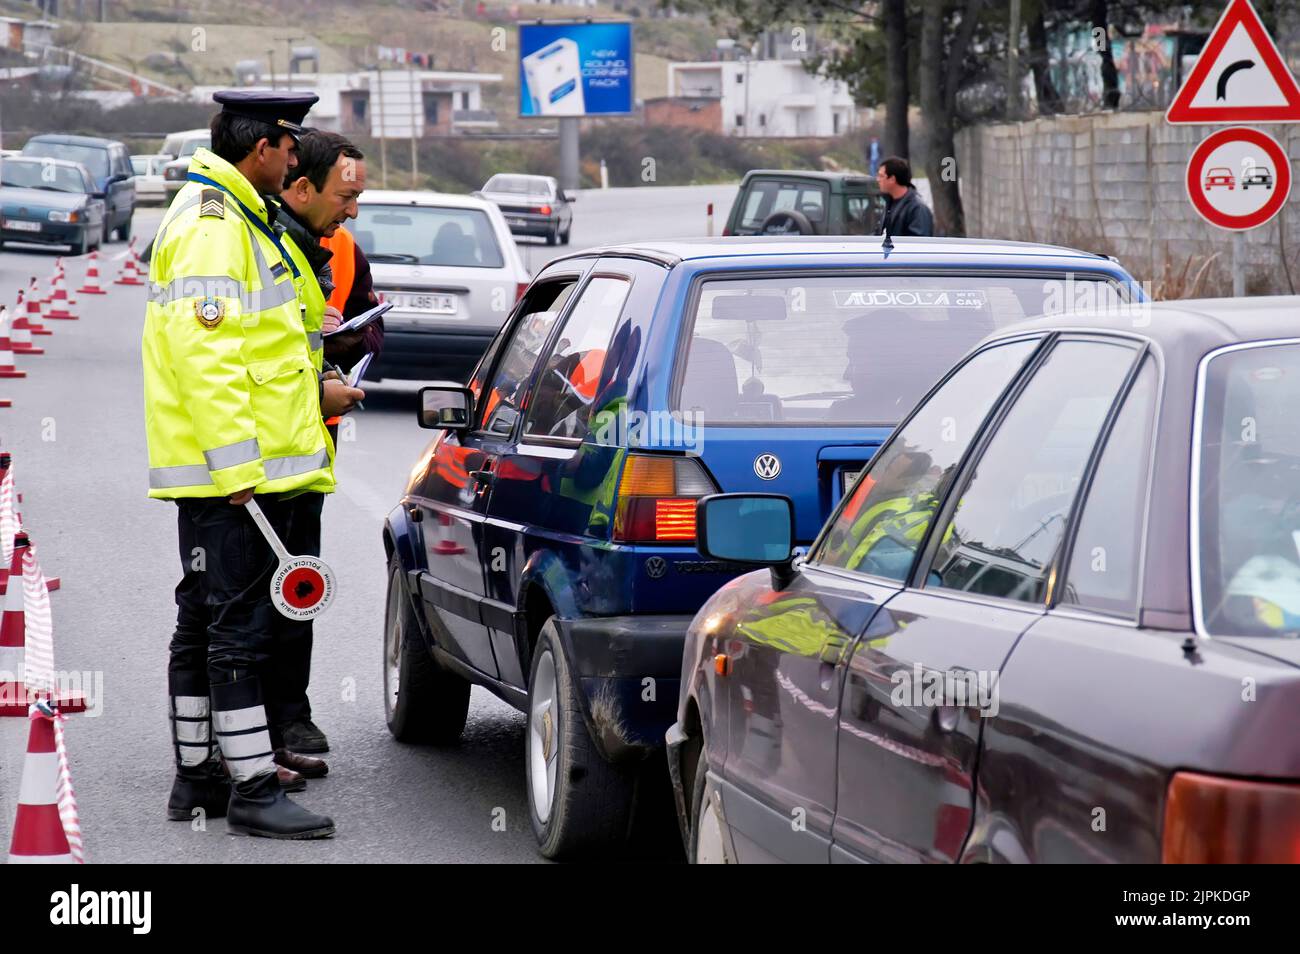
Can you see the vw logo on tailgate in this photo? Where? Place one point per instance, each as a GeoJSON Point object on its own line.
{"type": "Point", "coordinates": [767, 466]}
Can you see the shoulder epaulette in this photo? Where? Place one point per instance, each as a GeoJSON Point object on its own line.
{"type": "Point", "coordinates": [212, 204]}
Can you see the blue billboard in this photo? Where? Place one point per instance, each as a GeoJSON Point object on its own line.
{"type": "Point", "coordinates": [575, 69]}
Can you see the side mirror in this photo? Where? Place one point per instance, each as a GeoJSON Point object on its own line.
{"type": "Point", "coordinates": [570, 196]}
{"type": "Point", "coordinates": [745, 528]}
{"type": "Point", "coordinates": [445, 407]}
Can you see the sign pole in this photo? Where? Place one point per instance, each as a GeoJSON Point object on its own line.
{"type": "Point", "coordinates": [1238, 264]}
{"type": "Point", "coordinates": [569, 171]}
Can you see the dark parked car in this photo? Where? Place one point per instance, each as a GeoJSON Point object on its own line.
{"type": "Point", "coordinates": [50, 202]}
{"type": "Point", "coordinates": [1056, 620]}
{"type": "Point", "coordinates": [780, 202]}
{"type": "Point", "coordinates": [545, 544]}
{"type": "Point", "coordinates": [109, 163]}
{"type": "Point", "coordinates": [532, 205]}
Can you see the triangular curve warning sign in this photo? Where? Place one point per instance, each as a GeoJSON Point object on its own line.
{"type": "Point", "coordinates": [1240, 77]}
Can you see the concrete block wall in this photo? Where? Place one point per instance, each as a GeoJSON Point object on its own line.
{"type": "Point", "coordinates": [1113, 183]}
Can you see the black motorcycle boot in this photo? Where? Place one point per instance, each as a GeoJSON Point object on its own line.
{"type": "Point", "coordinates": [258, 805]}
{"type": "Point", "coordinates": [201, 783]}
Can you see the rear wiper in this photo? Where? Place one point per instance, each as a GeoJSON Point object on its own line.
{"type": "Point", "coordinates": [393, 257]}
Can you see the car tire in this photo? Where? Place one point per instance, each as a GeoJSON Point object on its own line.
{"type": "Point", "coordinates": [423, 702]}
{"type": "Point", "coordinates": [564, 237]}
{"type": "Point", "coordinates": [124, 230]}
{"type": "Point", "coordinates": [552, 237]}
{"type": "Point", "coordinates": [586, 802]}
{"type": "Point", "coordinates": [81, 246]}
{"type": "Point", "coordinates": [787, 222]}
{"type": "Point", "coordinates": [104, 235]}
{"type": "Point", "coordinates": [709, 841]}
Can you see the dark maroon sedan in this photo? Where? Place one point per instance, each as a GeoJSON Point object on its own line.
{"type": "Point", "coordinates": [1056, 619]}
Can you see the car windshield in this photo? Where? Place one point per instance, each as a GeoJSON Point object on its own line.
{"type": "Point", "coordinates": [193, 145]}
{"type": "Point", "coordinates": [427, 235]}
{"type": "Point", "coordinates": [94, 158]}
{"type": "Point", "coordinates": [851, 349]}
{"type": "Point", "coordinates": [1248, 527]}
{"type": "Point", "coordinates": [518, 185]}
{"type": "Point", "coordinates": [41, 175]}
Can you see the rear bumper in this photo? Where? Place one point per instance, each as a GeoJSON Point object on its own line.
{"type": "Point", "coordinates": [524, 224]}
{"type": "Point", "coordinates": [429, 355]}
{"type": "Point", "coordinates": [629, 670]}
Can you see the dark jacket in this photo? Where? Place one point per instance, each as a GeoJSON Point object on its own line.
{"type": "Point", "coordinates": [907, 216]}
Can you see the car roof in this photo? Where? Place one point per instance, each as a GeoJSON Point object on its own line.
{"type": "Point", "coordinates": [70, 140]}
{"type": "Point", "coordinates": [1208, 322]}
{"type": "Point", "coordinates": [810, 174]}
{"type": "Point", "coordinates": [409, 197]}
{"type": "Point", "coordinates": [905, 251]}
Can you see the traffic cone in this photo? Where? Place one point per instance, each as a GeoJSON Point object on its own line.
{"type": "Point", "coordinates": [446, 546]}
{"type": "Point", "coordinates": [7, 367]}
{"type": "Point", "coordinates": [92, 286]}
{"type": "Point", "coordinates": [13, 638]}
{"type": "Point", "coordinates": [46, 828]}
{"type": "Point", "coordinates": [34, 310]}
{"type": "Point", "coordinates": [60, 303]}
{"type": "Point", "coordinates": [20, 334]}
{"type": "Point", "coordinates": [130, 268]}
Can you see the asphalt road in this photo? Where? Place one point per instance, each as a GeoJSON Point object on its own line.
{"type": "Point", "coordinates": [77, 435]}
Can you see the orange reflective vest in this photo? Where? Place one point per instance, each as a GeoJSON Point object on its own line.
{"type": "Point", "coordinates": [343, 265]}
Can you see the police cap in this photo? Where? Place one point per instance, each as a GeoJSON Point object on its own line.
{"type": "Point", "coordinates": [286, 110]}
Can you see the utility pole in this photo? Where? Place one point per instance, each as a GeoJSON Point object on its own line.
{"type": "Point", "coordinates": [270, 62]}
{"type": "Point", "coordinates": [379, 112]}
{"type": "Point", "coordinates": [1013, 62]}
{"type": "Point", "coordinates": [417, 115]}
{"type": "Point", "coordinates": [288, 59]}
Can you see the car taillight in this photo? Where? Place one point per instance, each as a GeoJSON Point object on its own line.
{"type": "Point", "coordinates": [656, 499]}
{"type": "Point", "coordinates": [1210, 820]}
{"type": "Point", "coordinates": [520, 289]}
{"type": "Point", "coordinates": [545, 210]}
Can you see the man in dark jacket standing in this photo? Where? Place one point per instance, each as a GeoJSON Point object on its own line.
{"type": "Point", "coordinates": [905, 214]}
{"type": "Point", "coordinates": [320, 195]}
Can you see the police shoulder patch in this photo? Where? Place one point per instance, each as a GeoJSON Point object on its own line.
{"type": "Point", "coordinates": [212, 204]}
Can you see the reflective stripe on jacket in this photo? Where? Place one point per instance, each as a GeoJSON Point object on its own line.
{"type": "Point", "coordinates": [231, 396]}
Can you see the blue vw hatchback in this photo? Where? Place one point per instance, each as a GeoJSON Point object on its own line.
{"type": "Point", "coordinates": [545, 545]}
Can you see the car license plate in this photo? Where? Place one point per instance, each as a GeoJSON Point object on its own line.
{"type": "Point", "coordinates": [18, 225]}
{"type": "Point", "coordinates": [519, 223]}
{"type": "Point", "coordinates": [424, 304]}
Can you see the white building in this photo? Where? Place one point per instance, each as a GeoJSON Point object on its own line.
{"type": "Point", "coordinates": [767, 97]}
{"type": "Point", "coordinates": [399, 102]}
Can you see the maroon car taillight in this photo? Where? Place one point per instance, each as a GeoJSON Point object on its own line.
{"type": "Point", "coordinates": [1214, 820]}
{"type": "Point", "coordinates": [520, 289]}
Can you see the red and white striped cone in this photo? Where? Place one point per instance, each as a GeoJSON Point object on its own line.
{"type": "Point", "coordinates": [7, 367]}
{"type": "Point", "coordinates": [13, 641]}
{"type": "Point", "coordinates": [21, 320]}
{"type": "Point", "coordinates": [130, 268]}
{"type": "Point", "coordinates": [46, 827]}
{"type": "Point", "coordinates": [34, 310]}
{"type": "Point", "coordinates": [7, 523]}
{"type": "Point", "coordinates": [60, 303]}
{"type": "Point", "coordinates": [19, 333]}
{"type": "Point", "coordinates": [446, 545]}
{"type": "Point", "coordinates": [92, 285]}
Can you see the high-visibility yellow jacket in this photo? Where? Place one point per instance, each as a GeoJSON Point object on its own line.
{"type": "Point", "coordinates": [231, 395]}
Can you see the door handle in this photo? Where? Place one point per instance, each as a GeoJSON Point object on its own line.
{"type": "Point", "coordinates": [483, 476]}
{"type": "Point", "coordinates": [832, 650]}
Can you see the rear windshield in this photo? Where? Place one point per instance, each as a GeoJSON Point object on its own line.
{"type": "Point", "coordinates": [194, 145]}
{"type": "Point", "coordinates": [94, 158]}
{"type": "Point", "coordinates": [766, 196]}
{"type": "Point", "coordinates": [1248, 535]}
{"type": "Point", "coordinates": [850, 349]}
{"type": "Point", "coordinates": [518, 185]}
{"type": "Point", "coordinates": [427, 235]}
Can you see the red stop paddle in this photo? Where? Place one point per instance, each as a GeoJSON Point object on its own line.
{"type": "Point", "coordinates": [301, 586]}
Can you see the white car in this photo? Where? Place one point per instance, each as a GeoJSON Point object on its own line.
{"type": "Point", "coordinates": [449, 265]}
{"type": "Point", "coordinates": [149, 178]}
{"type": "Point", "coordinates": [180, 146]}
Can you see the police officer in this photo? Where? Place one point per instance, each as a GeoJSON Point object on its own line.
{"type": "Point", "coordinates": [232, 408]}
